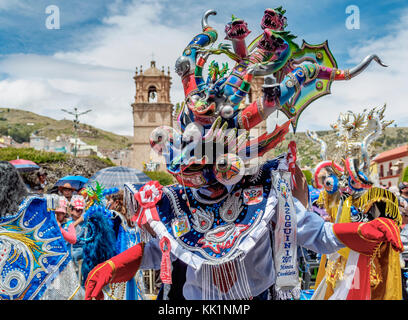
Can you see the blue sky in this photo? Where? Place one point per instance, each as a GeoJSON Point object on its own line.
{"type": "Point", "coordinates": [90, 60]}
{"type": "Point", "coordinates": [22, 24]}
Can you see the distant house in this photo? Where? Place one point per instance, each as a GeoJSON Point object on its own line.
{"type": "Point", "coordinates": [121, 157]}
{"type": "Point", "coordinates": [83, 149]}
{"type": "Point", "coordinates": [5, 141]}
{"type": "Point", "coordinates": [39, 142]}
{"type": "Point", "coordinates": [390, 164]}
{"type": "Point", "coordinates": [9, 142]}
{"type": "Point", "coordinates": [63, 145]}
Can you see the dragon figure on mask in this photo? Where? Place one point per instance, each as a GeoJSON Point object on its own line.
{"type": "Point", "coordinates": [226, 214]}
{"type": "Point", "coordinates": [349, 195]}
{"type": "Point", "coordinates": [301, 75]}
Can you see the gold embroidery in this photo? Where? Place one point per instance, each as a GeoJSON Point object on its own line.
{"type": "Point", "coordinates": [335, 270]}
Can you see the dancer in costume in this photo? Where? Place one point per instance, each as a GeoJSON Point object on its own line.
{"type": "Point", "coordinates": [127, 236]}
{"type": "Point", "coordinates": [34, 261]}
{"type": "Point", "coordinates": [236, 227]}
{"type": "Point", "coordinates": [107, 234]}
{"type": "Point", "coordinates": [349, 196]}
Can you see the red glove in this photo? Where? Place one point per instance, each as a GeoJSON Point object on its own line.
{"type": "Point", "coordinates": [120, 268]}
{"type": "Point", "coordinates": [366, 237]}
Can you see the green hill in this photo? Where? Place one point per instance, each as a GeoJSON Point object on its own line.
{"type": "Point", "coordinates": [20, 124]}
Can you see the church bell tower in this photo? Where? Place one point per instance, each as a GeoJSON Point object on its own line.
{"type": "Point", "coordinates": [152, 108]}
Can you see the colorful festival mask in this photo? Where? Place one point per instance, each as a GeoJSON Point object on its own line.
{"type": "Point", "coordinates": [222, 205]}
{"type": "Point", "coordinates": [347, 173]}
{"type": "Point", "coordinates": [212, 144]}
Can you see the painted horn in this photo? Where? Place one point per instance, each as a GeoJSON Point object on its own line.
{"type": "Point", "coordinates": [204, 20]}
{"type": "Point", "coordinates": [364, 64]}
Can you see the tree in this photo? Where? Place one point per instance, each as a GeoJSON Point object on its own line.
{"type": "Point", "coordinates": [404, 175]}
{"type": "Point", "coordinates": [308, 176]}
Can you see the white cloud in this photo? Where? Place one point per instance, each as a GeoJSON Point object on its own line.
{"type": "Point", "coordinates": [12, 4]}
{"type": "Point", "coordinates": [46, 84]}
{"type": "Point", "coordinates": [100, 75]}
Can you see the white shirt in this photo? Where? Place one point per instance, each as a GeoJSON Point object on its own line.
{"type": "Point", "coordinates": [312, 233]}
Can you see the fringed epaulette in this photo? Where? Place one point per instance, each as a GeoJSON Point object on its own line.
{"type": "Point", "coordinates": [373, 195]}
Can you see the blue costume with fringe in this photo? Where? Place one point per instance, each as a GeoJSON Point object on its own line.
{"type": "Point", "coordinates": [33, 251]}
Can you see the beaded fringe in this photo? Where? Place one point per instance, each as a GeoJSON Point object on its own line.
{"type": "Point", "coordinates": [227, 281]}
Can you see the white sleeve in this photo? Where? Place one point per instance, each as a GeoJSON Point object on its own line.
{"type": "Point", "coordinates": [313, 232]}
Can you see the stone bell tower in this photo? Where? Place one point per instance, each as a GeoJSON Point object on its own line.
{"type": "Point", "coordinates": [152, 108]}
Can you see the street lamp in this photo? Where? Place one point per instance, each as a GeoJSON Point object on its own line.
{"type": "Point", "coordinates": [76, 114]}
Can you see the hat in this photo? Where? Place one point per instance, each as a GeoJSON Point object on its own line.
{"type": "Point", "coordinates": [66, 185]}
{"type": "Point", "coordinates": [403, 185]}
{"type": "Point", "coordinates": [78, 202]}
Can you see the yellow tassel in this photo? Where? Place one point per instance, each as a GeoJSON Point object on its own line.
{"type": "Point", "coordinates": [365, 202]}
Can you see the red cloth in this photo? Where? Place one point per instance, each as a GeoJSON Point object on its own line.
{"type": "Point", "coordinates": [120, 268]}
{"type": "Point", "coordinates": [251, 116]}
{"type": "Point", "coordinates": [361, 288]}
{"type": "Point", "coordinates": [291, 158]}
{"type": "Point", "coordinates": [366, 237]}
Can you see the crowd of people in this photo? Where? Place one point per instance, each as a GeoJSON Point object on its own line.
{"type": "Point", "coordinates": [68, 205]}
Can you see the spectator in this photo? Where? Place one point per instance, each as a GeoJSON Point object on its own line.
{"type": "Point", "coordinates": [403, 207]}
{"type": "Point", "coordinates": [41, 182]}
{"type": "Point", "coordinates": [77, 210]}
{"type": "Point", "coordinates": [67, 191]}
{"type": "Point", "coordinates": [394, 190]}
{"type": "Point", "coordinates": [403, 189]}
{"type": "Point", "coordinates": [115, 203]}
{"type": "Point", "coordinates": [67, 229]}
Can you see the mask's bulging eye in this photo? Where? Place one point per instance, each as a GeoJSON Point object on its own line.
{"type": "Point", "coordinates": [331, 183]}
{"type": "Point", "coordinates": [355, 186]}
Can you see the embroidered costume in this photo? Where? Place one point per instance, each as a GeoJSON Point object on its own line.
{"type": "Point", "coordinates": [348, 195]}
{"type": "Point", "coordinates": [236, 226]}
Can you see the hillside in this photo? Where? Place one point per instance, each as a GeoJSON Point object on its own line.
{"type": "Point", "coordinates": [19, 124]}
{"type": "Point", "coordinates": [308, 151]}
